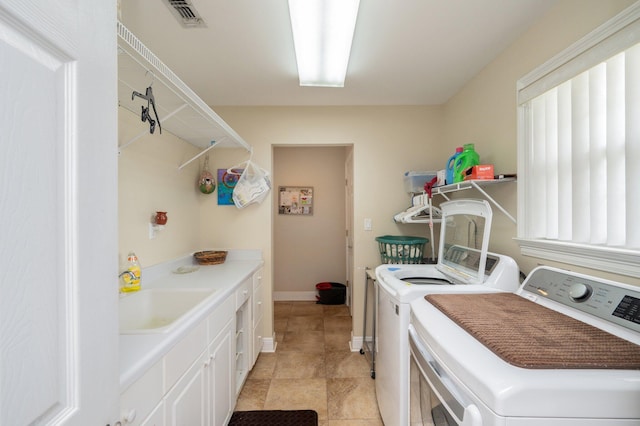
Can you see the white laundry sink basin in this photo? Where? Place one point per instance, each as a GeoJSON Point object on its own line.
{"type": "Point", "coordinates": [158, 310]}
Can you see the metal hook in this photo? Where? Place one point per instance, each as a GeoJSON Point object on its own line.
{"type": "Point", "coordinates": [148, 96]}
{"type": "Point", "coordinates": [144, 116]}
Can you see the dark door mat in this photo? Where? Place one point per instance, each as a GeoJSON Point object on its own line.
{"type": "Point", "coordinates": [274, 418]}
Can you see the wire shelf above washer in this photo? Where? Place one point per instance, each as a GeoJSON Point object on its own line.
{"type": "Point", "coordinates": [478, 185]}
{"type": "Point", "coordinates": [419, 210]}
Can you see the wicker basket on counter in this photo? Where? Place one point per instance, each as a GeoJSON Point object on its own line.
{"type": "Point", "coordinates": [210, 257]}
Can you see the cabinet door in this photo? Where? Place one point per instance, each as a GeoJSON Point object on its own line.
{"type": "Point", "coordinates": [140, 399]}
{"type": "Point", "coordinates": [156, 418]}
{"type": "Point", "coordinates": [258, 307]}
{"type": "Point", "coordinates": [256, 315]}
{"type": "Point", "coordinates": [257, 342]}
{"type": "Point", "coordinates": [186, 403]}
{"type": "Point", "coordinates": [221, 376]}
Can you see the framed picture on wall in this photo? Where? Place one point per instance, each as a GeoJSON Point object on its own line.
{"type": "Point", "coordinates": [295, 200]}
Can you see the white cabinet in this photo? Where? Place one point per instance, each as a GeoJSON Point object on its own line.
{"type": "Point", "coordinates": [187, 402]}
{"type": "Point", "coordinates": [243, 293]}
{"type": "Point", "coordinates": [194, 383]}
{"type": "Point", "coordinates": [184, 353]}
{"type": "Point", "coordinates": [249, 317]}
{"type": "Point", "coordinates": [243, 333]}
{"type": "Point", "coordinates": [257, 315]}
{"type": "Point", "coordinates": [222, 395]}
{"type": "Point", "coordinates": [156, 418]}
{"type": "Point", "coordinates": [140, 400]}
{"type": "Point", "coordinates": [205, 393]}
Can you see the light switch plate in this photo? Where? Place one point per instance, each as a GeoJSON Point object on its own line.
{"type": "Point", "coordinates": [368, 226]}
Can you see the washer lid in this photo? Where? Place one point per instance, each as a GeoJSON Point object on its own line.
{"type": "Point", "coordinates": [464, 240]}
{"type": "Point", "coordinates": [425, 281]}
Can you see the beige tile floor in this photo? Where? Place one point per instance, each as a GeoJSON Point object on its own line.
{"type": "Point", "coordinates": [313, 368]}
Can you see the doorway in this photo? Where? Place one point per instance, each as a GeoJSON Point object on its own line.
{"type": "Point", "coordinates": [312, 248]}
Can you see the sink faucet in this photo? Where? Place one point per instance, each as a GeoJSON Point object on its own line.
{"type": "Point", "coordinates": [130, 273]}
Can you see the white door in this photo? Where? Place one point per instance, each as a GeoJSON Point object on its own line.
{"type": "Point", "coordinates": [348, 173]}
{"type": "Point", "coordinates": [58, 213]}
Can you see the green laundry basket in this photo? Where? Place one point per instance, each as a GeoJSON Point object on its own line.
{"type": "Point", "coordinates": [401, 249]}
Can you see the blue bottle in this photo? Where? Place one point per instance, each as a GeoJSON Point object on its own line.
{"type": "Point", "coordinates": [451, 165]}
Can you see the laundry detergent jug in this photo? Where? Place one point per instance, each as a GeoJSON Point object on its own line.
{"type": "Point", "coordinates": [467, 158]}
{"type": "Point", "coordinates": [451, 164]}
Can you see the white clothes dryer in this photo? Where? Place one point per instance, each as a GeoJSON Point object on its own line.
{"type": "Point", "coordinates": [563, 350]}
{"type": "Point", "coordinates": [464, 266]}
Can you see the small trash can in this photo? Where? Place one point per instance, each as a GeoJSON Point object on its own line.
{"type": "Point", "coordinates": [331, 293]}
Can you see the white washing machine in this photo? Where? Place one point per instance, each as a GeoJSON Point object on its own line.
{"type": "Point", "coordinates": [464, 266]}
{"type": "Point", "coordinates": [563, 350]}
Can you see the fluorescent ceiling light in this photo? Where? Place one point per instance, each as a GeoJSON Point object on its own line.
{"type": "Point", "coordinates": [322, 36]}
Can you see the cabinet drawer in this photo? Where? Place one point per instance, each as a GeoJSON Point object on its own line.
{"type": "Point", "coordinates": [221, 316]}
{"type": "Point", "coordinates": [257, 279]}
{"type": "Point", "coordinates": [243, 292]}
{"type": "Point", "coordinates": [143, 395]}
{"type": "Point", "coordinates": [258, 305]}
{"type": "Point", "coordinates": [183, 354]}
{"type": "Point", "coordinates": [257, 341]}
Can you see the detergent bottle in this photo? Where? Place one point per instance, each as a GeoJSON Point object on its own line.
{"type": "Point", "coordinates": [130, 277]}
{"type": "Point", "coordinates": [467, 158]}
{"type": "Point", "coordinates": [450, 165]}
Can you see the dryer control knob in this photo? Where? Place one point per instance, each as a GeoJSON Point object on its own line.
{"type": "Point", "coordinates": [579, 292]}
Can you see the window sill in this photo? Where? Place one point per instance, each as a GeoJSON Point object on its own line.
{"type": "Point", "coordinates": [614, 260]}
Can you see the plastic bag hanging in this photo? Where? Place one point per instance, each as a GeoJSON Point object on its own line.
{"type": "Point", "coordinates": [252, 187]}
{"type": "Point", "coordinates": [206, 182]}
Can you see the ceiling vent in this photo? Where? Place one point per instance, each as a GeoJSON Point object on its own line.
{"type": "Point", "coordinates": [185, 13]}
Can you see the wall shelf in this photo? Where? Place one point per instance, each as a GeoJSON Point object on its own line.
{"type": "Point", "coordinates": [478, 185]}
{"type": "Point", "coordinates": [181, 111]}
{"type": "Point", "coordinates": [418, 213]}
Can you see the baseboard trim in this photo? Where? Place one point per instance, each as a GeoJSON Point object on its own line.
{"type": "Point", "coordinates": [287, 296]}
{"type": "Point", "coordinates": [356, 343]}
{"type": "Point", "coordinates": [269, 344]}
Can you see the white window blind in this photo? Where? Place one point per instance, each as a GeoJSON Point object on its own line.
{"type": "Point", "coordinates": [579, 152]}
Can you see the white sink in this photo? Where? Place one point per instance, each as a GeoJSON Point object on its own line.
{"type": "Point", "coordinates": [158, 310]}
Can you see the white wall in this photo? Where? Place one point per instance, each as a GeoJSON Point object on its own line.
{"type": "Point", "coordinates": [309, 249]}
{"type": "Point", "coordinates": [387, 142]}
{"type": "Point", "coordinates": [149, 181]}
{"type": "Point", "coordinates": [484, 111]}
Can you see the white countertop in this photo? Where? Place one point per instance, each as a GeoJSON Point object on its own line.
{"type": "Point", "coordinates": [138, 352]}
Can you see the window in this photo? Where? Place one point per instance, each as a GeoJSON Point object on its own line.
{"type": "Point", "coordinates": [579, 151]}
